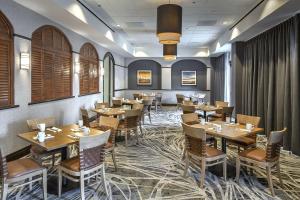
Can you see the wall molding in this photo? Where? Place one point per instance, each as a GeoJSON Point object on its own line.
{"type": "Point", "coordinates": [21, 36]}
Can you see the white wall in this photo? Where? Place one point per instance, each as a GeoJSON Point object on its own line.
{"type": "Point", "coordinates": [13, 121]}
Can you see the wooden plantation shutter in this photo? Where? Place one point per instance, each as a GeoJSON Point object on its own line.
{"type": "Point", "coordinates": [6, 62]}
{"type": "Point", "coordinates": [51, 61]}
{"type": "Point", "coordinates": [89, 69]}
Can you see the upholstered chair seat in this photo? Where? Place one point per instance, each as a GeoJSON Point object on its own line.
{"type": "Point", "coordinates": [22, 167]}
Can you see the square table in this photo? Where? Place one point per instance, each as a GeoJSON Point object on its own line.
{"type": "Point", "coordinates": [110, 112]}
{"type": "Point", "coordinates": [229, 131]}
{"type": "Point", "coordinates": [207, 108]}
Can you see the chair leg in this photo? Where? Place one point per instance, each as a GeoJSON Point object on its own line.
{"type": "Point", "coordinates": [225, 169]}
{"type": "Point", "coordinates": [103, 180]}
{"type": "Point", "coordinates": [126, 132]}
{"type": "Point", "coordinates": [4, 191]}
{"type": "Point", "coordinates": [45, 184]}
{"type": "Point", "coordinates": [59, 181]}
{"type": "Point", "coordinates": [279, 174]}
{"type": "Point", "coordinates": [149, 117]}
{"type": "Point", "coordinates": [215, 143]}
{"type": "Point", "coordinates": [140, 126]}
{"type": "Point", "coordinates": [30, 185]}
{"type": "Point", "coordinates": [183, 154]}
{"type": "Point", "coordinates": [187, 162]}
{"type": "Point", "coordinates": [82, 186]}
{"type": "Point", "coordinates": [269, 177]}
{"type": "Point", "coordinates": [238, 169]}
{"type": "Point", "coordinates": [113, 155]}
{"type": "Point", "coordinates": [137, 136]}
{"type": "Point", "coordinates": [202, 178]}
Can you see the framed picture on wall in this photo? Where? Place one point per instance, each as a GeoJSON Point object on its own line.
{"type": "Point", "coordinates": [144, 77]}
{"type": "Point", "coordinates": [188, 78]}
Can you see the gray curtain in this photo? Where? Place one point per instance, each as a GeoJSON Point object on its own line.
{"type": "Point", "coordinates": [217, 79]}
{"type": "Point", "coordinates": [271, 80]}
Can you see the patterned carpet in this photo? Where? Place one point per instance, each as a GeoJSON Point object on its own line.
{"type": "Point", "coordinates": [153, 170]}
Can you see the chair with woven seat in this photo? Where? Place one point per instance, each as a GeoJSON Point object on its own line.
{"type": "Point", "coordinates": [249, 140]}
{"type": "Point", "coordinates": [197, 150]}
{"type": "Point", "coordinates": [101, 105]}
{"type": "Point", "coordinates": [260, 158]}
{"type": "Point", "coordinates": [89, 118]}
{"type": "Point", "coordinates": [110, 123]}
{"type": "Point", "coordinates": [129, 124]}
{"type": "Point", "coordinates": [157, 101]}
{"type": "Point", "coordinates": [40, 155]}
{"type": "Point", "coordinates": [179, 99]}
{"type": "Point", "coordinates": [89, 164]}
{"type": "Point", "coordinates": [147, 109]}
{"type": "Point", "coordinates": [20, 173]}
{"type": "Point", "coordinates": [186, 109]}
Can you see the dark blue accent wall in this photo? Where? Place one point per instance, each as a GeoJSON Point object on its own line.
{"type": "Point", "coordinates": [189, 65]}
{"type": "Point", "coordinates": [144, 65]}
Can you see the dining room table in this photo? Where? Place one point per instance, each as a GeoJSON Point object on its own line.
{"type": "Point", "coordinates": [131, 102]}
{"type": "Point", "coordinates": [227, 131]}
{"type": "Point", "coordinates": [207, 108]}
{"type": "Point", "coordinates": [110, 112]}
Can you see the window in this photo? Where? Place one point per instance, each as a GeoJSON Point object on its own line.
{"type": "Point", "coordinates": [89, 70]}
{"type": "Point", "coordinates": [6, 63]}
{"type": "Point", "coordinates": [51, 58]}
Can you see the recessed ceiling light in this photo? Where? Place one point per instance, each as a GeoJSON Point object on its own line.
{"type": "Point", "coordinates": [226, 22]}
{"type": "Point", "coordinates": [118, 25]}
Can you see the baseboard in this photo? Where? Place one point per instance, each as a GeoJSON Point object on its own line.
{"type": "Point", "coordinates": [18, 154]}
{"type": "Point", "coordinates": [169, 104]}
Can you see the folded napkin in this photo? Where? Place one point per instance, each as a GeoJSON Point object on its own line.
{"type": "Point", "coordinates": [48, 136]}
{"type": "Point", "coordinates": [54, 129]}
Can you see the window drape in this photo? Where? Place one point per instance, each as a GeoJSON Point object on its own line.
{"type": "Point", "coordinates": [270, 80]}
{"type": "Point", "coordinates": [217, 79]}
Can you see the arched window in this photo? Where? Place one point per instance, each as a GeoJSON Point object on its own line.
{"type": "Point", "coordinates": [89, 69]}
{"type": "Point", "coordinates": [51, 58]}
{"type": "Point", "coordinates": [6, 63]}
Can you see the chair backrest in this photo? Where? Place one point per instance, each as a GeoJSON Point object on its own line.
{"type": "Point", "coordinates": [3, 167]}
{"type": "Point", "coordinates": [32, 123]}
{"type": "Point", "coordinates": [158, 97]}
{"type": "Point", "coordinates": [195, 139]}
{"type": "Point", "coordinates": [244, 119]}
{"type": "Point", "coordinates": [117, 103]}
{"type": "Point", "coordinates": [188, 109]}
{"type": "Point", "coordinates": [85, 117]}
{"type": "Point", "coordinates": [188, 103]}
{"type": "Point", "coordinates": [109, 123]}
{"type": "Point", "coordinates": [179, 98]}
{"type": "Point", "coordinates": [190, 118]}
{"type": "Point", "coordinates": [227, 112]}
{"type": "Point", "coordinates": [221, 104]}
{"type": "Point", "coordinates": [101, 105]}
{"type": "Point", "coordinates": [91, 150]}
{"type": "Point", "coordinates": [132, 118]}
{"type": "Point", "coordinates": [147, 105]}
{"type": "Point", "coordinates": [137, 106]}
{"type": "Point", "coordinates": [137, 96]}
{"type": "Point", "coordinates": [274, 143]}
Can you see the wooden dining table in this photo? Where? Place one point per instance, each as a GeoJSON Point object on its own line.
{"type": "Point", "coordinates": [110, 112]}
{"type": "Point", "coordinates": [59, 140]}
{"type": "Point", "coordinates": [130, 102]}
{"type": "Point", "coordinates": [207, 108]}
{"type": "Point", "coordinates": [228, 131]}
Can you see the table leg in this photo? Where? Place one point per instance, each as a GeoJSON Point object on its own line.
{"type": "Point", "coordinates": [224, 145]}
{"type": "Point", "coordinates": [204, 115]}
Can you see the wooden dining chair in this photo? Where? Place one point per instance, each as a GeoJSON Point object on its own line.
{"type": "Point", "coordinates": [110, 123]}
{"type": "Point", "coordinates": [187, 103]}
{"type": "Point", "coordinates": [140, 107]}
{"type": "Point", "coordinates": [249, 140]}
{"type": "Point", "coordinates": [101, 105]}
{"type": "Point", "coordinates": [129, 124]}
{"type": "Point", "coordinates": [147, 109]}
{"type": "Point", "coordinates": [263, 158]}
{"type": "Point", "coordinates": [117, 103]}
{"type": "Point", "coordinates": [188, 109]}
{"type": "Point", "coordinates": [158, 101]}
{"type": "Point", "coordinates": [89, 119]}
{"type": "Point", "coordinates": [193, 118]}
{"type": "Point", "coordinates": [179, 99]}
{"type": "Point", "coordinates": [137, 96]}
{"type": "Point", "coordinates": [197, 150]}
{"type": "Point", "coordinates": [40, 155]}
{"type": "Point", "coordinates": [20, 173]}
{"type": "Point", "coordinates": [221, 115]}
{"type": "Point", "coordinates": [89, 163]}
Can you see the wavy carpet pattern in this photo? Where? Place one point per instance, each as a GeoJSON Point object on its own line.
{"type": "Point", "coordinates": [153, 169]}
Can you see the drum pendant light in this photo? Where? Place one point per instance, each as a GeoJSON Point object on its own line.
{"type": "Point", "coordinates": [170, 51]}
{"type": "Point", "coordinates": [169, 23]}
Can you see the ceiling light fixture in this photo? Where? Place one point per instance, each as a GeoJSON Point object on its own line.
{"type": "Point", "coordinates": [169, 23]}
{"type": "Point", "coordinates": [170, 51]}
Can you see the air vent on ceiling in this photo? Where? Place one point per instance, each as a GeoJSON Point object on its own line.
{"type": "Point", "coordinates": [207, 23]}
{"type": "Point", "coordinates": [135, 24]}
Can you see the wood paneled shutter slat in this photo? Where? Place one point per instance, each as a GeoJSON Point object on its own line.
{"type": "Point", "coordinates": [51, 65]}
{"type": "Point", "coordinates": [6, 62]}
{"type": "Point", "coordinates": [89, 69]}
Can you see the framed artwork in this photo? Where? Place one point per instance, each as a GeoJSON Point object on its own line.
{"type": "Point", "coordinates": [144, 77]}
{"type": "Point", "coordinates": [188, 78]}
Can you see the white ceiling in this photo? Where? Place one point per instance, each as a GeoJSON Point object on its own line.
{"type": "Point", "coordinates": [203, 20]}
